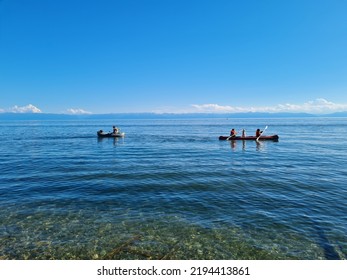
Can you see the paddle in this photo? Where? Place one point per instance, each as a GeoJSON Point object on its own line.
{"type": "Point", "coordinates": [261, 133]}
{"type": "Point", "coordinates": [231, 136]}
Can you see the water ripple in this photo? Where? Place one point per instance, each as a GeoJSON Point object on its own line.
{"type": "Point", "coordinates": [172, 190]}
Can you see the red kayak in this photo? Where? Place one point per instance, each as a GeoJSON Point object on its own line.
{"type": "Point", "coordinates": [270, 137]}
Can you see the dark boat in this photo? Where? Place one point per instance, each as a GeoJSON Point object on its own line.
{"type": "Point", "coordinates": [270, 137]}
{"type": "Point", "coordinates": [110, 134]}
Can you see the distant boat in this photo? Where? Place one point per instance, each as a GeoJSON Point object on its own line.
{"type": "Point", "coordinates": [270, 137]}
{"type": "Point", "coordinates": [100, 133]}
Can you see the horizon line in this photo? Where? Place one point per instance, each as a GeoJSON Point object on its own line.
{"type": "Point", "coordinates": [216, 114]}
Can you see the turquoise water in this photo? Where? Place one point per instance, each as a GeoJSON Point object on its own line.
{"type": "Point", "coordinates": [171, 190]}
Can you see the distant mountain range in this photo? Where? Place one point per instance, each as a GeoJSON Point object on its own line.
{"type": "Point", "coordinates": [44, 116]}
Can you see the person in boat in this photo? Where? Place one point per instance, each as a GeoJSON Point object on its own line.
{"type": "Point", "coordinates": [115, 130]}
{"type": "Point", "coordinates": [233, 133]}
{"type": "Point", "coordinates": [243, 133]}
{"type": "Point", "coordinates": [258, 132]}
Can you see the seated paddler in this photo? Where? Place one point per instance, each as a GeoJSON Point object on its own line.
{"type": "Point", "coordinates": [233, 133]}
{"type": "Point", "coordinates": [115, 130]}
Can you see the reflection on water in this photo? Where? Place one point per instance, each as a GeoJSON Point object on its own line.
{"type": "Point", "coordinates": [249, 144]}
{"type": "Point", "coordinates": [114, 140]}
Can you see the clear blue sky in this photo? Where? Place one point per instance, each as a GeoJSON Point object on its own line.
{"type": "Point", "coordinates": [173, 55]}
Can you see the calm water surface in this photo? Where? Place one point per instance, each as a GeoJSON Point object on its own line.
{"type": "Point", "coordinates": [171, 190]}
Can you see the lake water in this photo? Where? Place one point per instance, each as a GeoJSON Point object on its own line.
{"type": "Point", "coordinates": [171, 190]}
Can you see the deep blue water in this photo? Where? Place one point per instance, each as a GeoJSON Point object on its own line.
{"type": "Point", "coordinates": [171, 190]}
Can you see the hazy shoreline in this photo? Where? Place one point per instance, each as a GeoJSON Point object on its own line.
{"type": "Point", "coordinates": [52, 116]}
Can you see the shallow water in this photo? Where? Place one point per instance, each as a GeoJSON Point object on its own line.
{"type": "Point", "coordinates": [171, 190]}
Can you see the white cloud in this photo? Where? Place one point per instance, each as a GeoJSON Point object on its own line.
{"type": "Point", "coordinates": [22, 109]}
{"type": "Point", "coordinates": [213, 108]}
{"type": "Point", "coordinates": [77, 112]}
{"type": "Point", "coordinates": [318, 106]}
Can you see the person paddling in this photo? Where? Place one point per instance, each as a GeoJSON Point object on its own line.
{"type": "Point", "coordinates": [258, 132]}
{"type": "Point", "coordinates": [115, 130]}
{"type": "Point", "coordinates": [233, 133]}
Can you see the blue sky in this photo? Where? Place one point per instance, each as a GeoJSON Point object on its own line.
{"type": "Point", "coordinates": [116, 56]}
